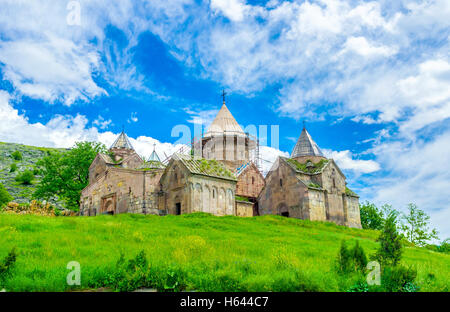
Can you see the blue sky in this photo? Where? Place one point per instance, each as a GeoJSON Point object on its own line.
{"type": "Point", "coordinates": [369, 78]}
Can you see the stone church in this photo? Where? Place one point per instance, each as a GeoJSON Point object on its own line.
{"type": "Point", "coordinates": [220, 176]}
{"type": "Point", "coordinates": [309, 186]}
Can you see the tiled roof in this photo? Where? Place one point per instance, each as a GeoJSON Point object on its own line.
{"type": "Point", "coordinates": [224, 123]}
{"type": "Point", "coordinates": [306, 146]}
{"type": "Point", "coordinates": [208, 167]}
{"type": "Point", "coordinates": [122, 141]}
{"type": "Point", "coordinates": [151, 164]}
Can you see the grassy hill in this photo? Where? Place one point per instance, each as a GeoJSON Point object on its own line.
{"type": "Point", "coordinates": [30, 156]}
{"type": "Point", "coordinates": [195, 252]}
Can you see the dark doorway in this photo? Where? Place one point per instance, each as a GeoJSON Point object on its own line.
{"type": "Point", "coordinates": [178, 208]}
{"type": "Point", "coordinates": [285, 214]}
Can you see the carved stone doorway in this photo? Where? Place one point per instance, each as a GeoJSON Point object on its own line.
{"type": "Point", "coordinates": [108, 205]}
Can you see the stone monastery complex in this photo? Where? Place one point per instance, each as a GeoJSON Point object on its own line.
{"type": "Point", "coordinates": [222, 180]}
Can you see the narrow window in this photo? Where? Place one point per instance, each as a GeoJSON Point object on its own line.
{"type": "Point", "coordinates": [253, 180]}
{"type": "Point", "coordinates": [281, 182]}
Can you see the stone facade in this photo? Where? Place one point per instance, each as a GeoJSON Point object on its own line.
{"type": "Point", "coordinates": [244, 209]}
{"type": "Point", "coordinates": [186, 191]}
{"type": "Point", "coordinates": [250, 182]}
{"type": "Point", "coordinates": [309, 186]}
{"type": "Point", "coordinates": [222, 180]}
{"type": "Point", "coordinates": [120, 190]}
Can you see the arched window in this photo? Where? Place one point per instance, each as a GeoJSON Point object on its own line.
{"type": "Point", "coordinates": [214, 193]}
{"type": "Point", "coordinates": [281, 182]}
{"type": "Point", "coordinates": [253, 180]}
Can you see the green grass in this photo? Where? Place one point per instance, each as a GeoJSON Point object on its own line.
{"type": "Point", "coordinates": [268, 253]}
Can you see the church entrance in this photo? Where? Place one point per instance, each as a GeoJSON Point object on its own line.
{"type": "Point", "coordinates": [283, 210]}
{"type": "Point", "coordinates": [178, 209]}
{"type": "Point", "coordinates": [108, 204]}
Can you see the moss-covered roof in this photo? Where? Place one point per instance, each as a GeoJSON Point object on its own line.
{"type": "Point", "coordinates": [350, 192]}
{"type": "Point", "coordinates": [311, 168]}
{"type": "Point", "coordinates": [208, 167]}
{"type": "Point", "coordinates": [151, 165]}
{"type": "Point", "coordinates": [242, 199]}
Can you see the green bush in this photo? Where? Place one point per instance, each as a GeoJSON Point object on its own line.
{"type": "Point", "coordinates": [6, 266]}
{"type": "Point", "coordinates": [360, 286]}
{"type": "Point", "coordinates": [351, 260]}
{"type": "Point", "coordinates": [344, 258]}
{"type": "Point", "coordinates": [13, 167]}
{"type": "Point", "coordinates": [398, 279]}
{"type": "Point", "coordinates": [390, 251]}
{"type": "Point", "coordinates": [36, 171]}
{"type": "Point", "coordinates": [359, 257]}
{"type": "Point", "coordinates": [16, 155]}
{"type": "Point", "coordinates": [25, 177]}
{"type": "Point", "coordinates": [136, 273]}
{"type": "Point", "coordinates": [4, 196]}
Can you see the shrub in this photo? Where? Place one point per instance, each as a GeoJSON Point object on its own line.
{"type": "Point", "coordinates": [6, 266]}
{"type": "Point", "coordinates": [390, 251]}
{"type": "Point", "coordinates": [360, 286]}
{"type": "Point", "coordinates": [13, 167]}
{"type": "Point", "coordinates": [16, 155]}
{"type": "Point", "coordinates": [25, 177]}
{"type": "Point", "coordinates": [4, 196]}
{"type": "Point", "coordinates": [351, 260]}
{"type": "Point", "coordinates": [359, 257]}
{"type": "Point", "coordinates": [398, 279]}
{"type": "Point", "coordinates": [344, 258]}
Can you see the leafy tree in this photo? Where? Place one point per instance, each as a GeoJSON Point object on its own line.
{"type": "Point", "coordinates": [4, 196]}
{"type": "Point", "coordinates": [445, 246]}
{"type": "Point", "coordinates": [65, 174]}
{"type": "Point", "coordinates": [415, 226]}
{"type": "Point", "coordinates": [13, 167]}
{"type": "Point", "coordinates": [390, 251]}
{"type": "Point", "coordinates": [16, 155]}
{"type": "Point", "coordinates": [371, 216]}
{"type": "Point", "coordinates": [25, 177]}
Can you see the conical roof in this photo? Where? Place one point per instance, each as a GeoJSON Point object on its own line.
{"type": "Point", "coordinates": [224, 122]}
{"type": "Point", "coordinates": [154, 156]}
{"type": "Point", "coordinates": [122, 141]}
{"type": "Point", "coordinates": [306, 146]}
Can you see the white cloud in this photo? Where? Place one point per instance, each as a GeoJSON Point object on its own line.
{"type": "Point", "coordinates": [64, 131]}
{"type": "Point", "coordinates": [235, 10]}
{"type": "Point", "coordinates": [345, 161]}
{"type": "Point", "coordinates": [361, 46]}
{"type": "Point", "coordinates": [268, 156]}
{"type": "Point", "coordinates": [133, 117]}
{"type": "Point", "coordinates": [102, 123]}
{"type": "Point", "coordinates": [417, 172]}
{"type": "Point", "coordinates": [202, 117]}
{"type": "Point", "coordinates": [50, 68]}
